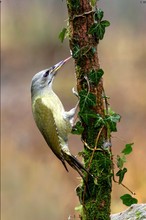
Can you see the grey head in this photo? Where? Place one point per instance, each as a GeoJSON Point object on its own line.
{"type": "Point", "coordinates": [44, 78]}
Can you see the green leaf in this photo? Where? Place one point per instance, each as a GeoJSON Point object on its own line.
{"type": "Point", "coordinates": [93, 29]}
{"type": "Point", "coordinates": [110, 111]}
{"type": "Point", "coordinates": [98, 15]}
{"type": "Point", "coordinates": [105, 23]}
{"type": "Point", "coordinates": [100, 31]}
{"type": "Point", "coordinates": [76, 52]}
{"type": "Point", "coordinates": [62, 34]}
{"type": "Point", "coordinates": [75, 4]}
{"type": "Point", "coordinates": [98, 28]}
{"type": "Point", "coordinates": [78, 128]}
{"type": "Point", "coordinates": [127, 149]}
{"type": "Point", "coordinates": [95, 75]}
{"type": "Point", "coordinates": [121, 174]}
{"type": "Point", "coordinates": [115, 117]}
{"type": "Point", "coordinates": [112, 121]}
{"type": "Point", "coordinates": [87, 117]}
{"type": "Point", "coordinates": [87, 100]}
{"type": "Point", "coordinates": [128, 200]}
{"type": "Point", "coordinates": [99, 121]}
{"type": "Point", "coordinates": [120, 161]}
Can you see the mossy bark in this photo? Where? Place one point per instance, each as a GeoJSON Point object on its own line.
{"type": "Point", "coordinates": [95, 196]}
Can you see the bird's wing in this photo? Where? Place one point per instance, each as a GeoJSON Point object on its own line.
{"type": "Point", "coordinates": [46, 124]}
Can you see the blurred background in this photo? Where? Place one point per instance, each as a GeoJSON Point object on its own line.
{"type": "Point", "coordinates": [35, 185]}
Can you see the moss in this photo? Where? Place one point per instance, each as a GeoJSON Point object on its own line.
{"type": "Point", "coordinates": [138, 215]}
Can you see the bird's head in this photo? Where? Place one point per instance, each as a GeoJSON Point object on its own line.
{"type": "Point", "coordinates": [45, 77]}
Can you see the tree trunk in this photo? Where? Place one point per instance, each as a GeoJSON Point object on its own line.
{"type": "Point", "coordinates": [95, 192]}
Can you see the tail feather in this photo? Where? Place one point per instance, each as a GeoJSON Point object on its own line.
{"type": "Point", "coordinates": [74, 163]}
{"type": "Point", "coordinates": [64, 165]}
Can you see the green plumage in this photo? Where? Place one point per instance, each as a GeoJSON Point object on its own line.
{"type": "Point", "coordinates": [46, 124]}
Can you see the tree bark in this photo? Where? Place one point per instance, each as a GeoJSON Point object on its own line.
{"type": "Point", "coordinates": [95, 192]}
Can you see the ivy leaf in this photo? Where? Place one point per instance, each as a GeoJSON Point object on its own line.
{"type": "Point", "coordinates": [105, 23]}
{"type": "Point", "coordinates": [62, 34]}
{"type": "Point", "coordinates": [99, 121]}
{"type": "Point", "coordinates": [98, 28]}
{"type": "Point", "coordinates": [110, 111]}
{"type": "Point", "coordinates": [98, 15]}
{"type": "Point", "coordinates": [75, 4]}
{"type": "Point", "coordinates": [87, 117]}
{"type": "Point", "coordinates": [112, 121]}
{"type": "Point", "coordinates": [94, 76]}
{"type": "Point", "coordinates": [128, 200]}
{"type": "Point", "coordinates": [115, 117]}
{"type": "Point", "coordinates": [76, 52]}
{"type": "Point", "coordinates": [121, 174]}
{"type": "Point", "coordinates": [100, 31]}
{"type": "Point", "coordinates": [78, 128]}
{"type": "Point", "coordinates": [127, 149]}
{"type": "Point", "coordinates": [120, 161]}
{"type": "Point", "coordinates": [93, 29]}
{"type": "Point", "coordinates": [87, 100]}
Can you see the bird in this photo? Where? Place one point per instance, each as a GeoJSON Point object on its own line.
{"type": "Point", "coordinates": [54, 123]}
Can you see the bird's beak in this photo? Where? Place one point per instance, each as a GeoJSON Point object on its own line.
{"type": "Point", "coordinates": [60, 64]}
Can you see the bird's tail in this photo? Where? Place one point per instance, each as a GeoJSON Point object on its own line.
{"type": "Point", "coordinates": [75, 164]}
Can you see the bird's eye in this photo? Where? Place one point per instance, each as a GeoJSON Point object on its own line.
{"type": "Point", "coordinates": [46, 73]}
